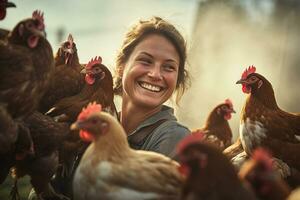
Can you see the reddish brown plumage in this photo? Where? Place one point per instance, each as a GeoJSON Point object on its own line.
{"type": "Point", "coordinates": [26, 63]}
{"type": "Point", "coordinates": [47, 136]}
{"type": "Point", "coordinates": [216, 127]}
{"type": "Point", "coordinates": [15, 142]}
{"type": "Point", "coordinates": [100, 91]}
{"type": "Point", "coordinates": [263, 123]}
{"type": "Point", "coordinates": [210, 175]}
{"type": "Point", "coordinates": [67, 79]}
{"type": "Point", "coordinates": [260, 176]}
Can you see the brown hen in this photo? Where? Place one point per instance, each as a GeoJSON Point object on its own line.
{"type": "Point", "coordinates": [26, 63]}
{"type": "Point", "coordinates": [98, 87]}
{"type": "Point", "coordinates": [263, 123]}
{"type": "Point", "coordinates": [209, 173]}
{"type": "Point", "coordinates": [216, 127]}
{"type": "Point", "coordinates": [260, 175]}
{"type": "Point", "coordinates": [47, 136]}
{"type": "Point", "coordinates": [67, 79]}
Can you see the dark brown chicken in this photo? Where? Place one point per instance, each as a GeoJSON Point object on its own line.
{"type": "Point", "coordinates": [26, 63]}
{"type": "Point", "coordinates": [263, 123]}
{"type": "Point", "coordinates": [15, 143]}
{"type": "Point", "coordinates": [8, 137]}
{"type": "Point", "coordinates": [8, 131]}
{"type": "Point", "coordinates": [98, 88]}
{"type": "Point", "coordinates": [67, 79]}
{"type": "Point", "coordinates": [47, 136]}
{"type": "Point", "coordinates": [260, 175]}
{"type": "Point", "coordinates": [209, 173]}
{"type": "Point", "coordinates": [216, 127]}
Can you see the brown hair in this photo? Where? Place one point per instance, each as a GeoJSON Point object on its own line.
{"type": "Point", "coordinates": [136, 34]}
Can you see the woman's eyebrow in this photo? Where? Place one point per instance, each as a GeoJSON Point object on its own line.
{"type": "Point", "coordinates": [147, 54]}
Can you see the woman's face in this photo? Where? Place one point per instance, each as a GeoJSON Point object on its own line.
{"type": "Point", "coordinates": [150, 74]}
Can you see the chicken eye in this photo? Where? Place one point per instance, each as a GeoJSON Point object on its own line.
{"type": "Point", "coordinates": [29, 25]}
{"type": "Point", "coordinates": [97, 69]}
{"type": "Point", "coordinates": [253, 78]}
{"type": "Point", "coordinates": [224, 107]}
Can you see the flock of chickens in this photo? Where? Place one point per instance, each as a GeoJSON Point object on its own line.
{"type": "Point", "coordinates": [54, 109]}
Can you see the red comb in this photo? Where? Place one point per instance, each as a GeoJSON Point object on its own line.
{"type": "Point", "coordinates": [90, 109]}
{"type": "Point", "coordinates": [263, 156]}
{"type": "Point", "coordinates": [194, 137]}
{"type": "Point", "coordinates": [70, 39]}
{"type": "Point", "coordinates": [229, 102]}
{"type": "Point", "coordinates": [39, 15]}
{"type": "Point", "coordinates": [93, 61]}
{"type": "Point", "coordinates": [250, 70]}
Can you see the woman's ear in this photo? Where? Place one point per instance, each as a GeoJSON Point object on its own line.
{"type": "Point", "coordinates": [120, 71]}
{"type": "Point", "coordinates": [118, 80]}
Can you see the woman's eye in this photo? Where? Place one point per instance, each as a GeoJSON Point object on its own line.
{"type": "Point", "coordinates": [169, 68]}
{"type": "Point", "coordinates": [145, 61]}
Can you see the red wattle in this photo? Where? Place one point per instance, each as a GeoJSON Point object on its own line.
{"type": "Point", "coordinates": [89, 79]}
{"type": "Point", "coordinates": [85, 136]}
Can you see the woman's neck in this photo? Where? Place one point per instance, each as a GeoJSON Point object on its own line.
{"type": "Point", "coordinates": [133, 115]}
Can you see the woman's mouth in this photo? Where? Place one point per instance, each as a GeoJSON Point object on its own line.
{"type": "Point", "coordinates": [150, 87]}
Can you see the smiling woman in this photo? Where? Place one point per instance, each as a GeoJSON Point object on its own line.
{"type": "Point", "coordinates": [150, 68]}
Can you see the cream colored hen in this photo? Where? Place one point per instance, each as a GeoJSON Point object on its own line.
{"type": "Point", "coordinates": [110, 169]}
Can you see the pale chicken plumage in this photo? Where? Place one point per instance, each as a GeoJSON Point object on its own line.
{"type": "Point", "coordinates": [110, 169]}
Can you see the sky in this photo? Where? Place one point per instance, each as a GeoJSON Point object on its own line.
{"type": "Point", "coordinates": [99, 26]}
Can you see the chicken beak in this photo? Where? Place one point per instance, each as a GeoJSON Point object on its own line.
{"type": "Point", "coordinates": [75, 126]}
{"type": "Point", "coordinates": [83, 71]}
{"type": "Point", "coordinates": [70, 51]}
{"type": "Point", "coordinates": [241, 81]}
{"type": "Point", "coordinates": [233, 111]}
{"type": "Point", "coordinates": [10, 5]}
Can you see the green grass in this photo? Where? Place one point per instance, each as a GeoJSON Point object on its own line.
{"type": "Point", "coordinates": [24, 187]}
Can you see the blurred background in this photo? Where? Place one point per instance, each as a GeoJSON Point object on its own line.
{"type": "Point", "coordinates": [223, 38]}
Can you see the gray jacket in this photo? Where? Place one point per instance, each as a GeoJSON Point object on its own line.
{"type": "Point", "coordinates": [164, 138]}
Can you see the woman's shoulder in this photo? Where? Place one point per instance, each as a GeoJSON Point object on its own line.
{"type": "Point", "coordinates": [171, 128]}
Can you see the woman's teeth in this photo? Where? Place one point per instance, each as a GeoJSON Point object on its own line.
{"type": "Point", "coordinates": [152, 88]}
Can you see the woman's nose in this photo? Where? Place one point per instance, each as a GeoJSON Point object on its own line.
{"type": "Point", "coordinates": [155, 72]}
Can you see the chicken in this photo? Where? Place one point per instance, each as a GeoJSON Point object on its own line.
{"type": "Point", "coordinates": [67, 79]}
{"type": "Point", "coordinates": [8, 131]}
{"type": "Point", "coordinates": [15, 142]}
{"type": "Point", "coordinates": [110, 169]}
{"type": "Point", "coordinates": [259, 174]}
{"type": "Point", "coordinates": [47, 136]}
{"type": "Point", "coordinates": [209, 173]}
{"type": "Point", "coordinates": [3, 5]}
{"type": "Point", "coordinates": [263, 123]}
{"type": "Point", "coordinates": [216, 127]}
{"type": "Point", "coordinates": [26, 63]}
{"type": "Point", "coordinates": [98, 87]}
